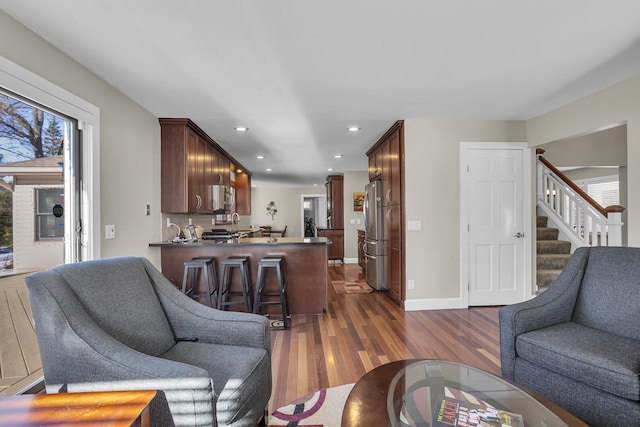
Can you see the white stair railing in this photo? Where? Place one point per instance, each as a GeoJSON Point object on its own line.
{"type": "Point", "coordinates": [577, 215]}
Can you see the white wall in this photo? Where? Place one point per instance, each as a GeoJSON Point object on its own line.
{"type": "Point", "coordinates": [289, 203]}
{"type": "Point", "coordinates": [353, 182]}
{"type": "Point", "coordinates": [432, 196]}
{"type": "Point", "coordinates": [130, 142]}
{"type": "Point", "coordinates": [27, 253]}
{"type": "Point", "coordinates": [617, 104]}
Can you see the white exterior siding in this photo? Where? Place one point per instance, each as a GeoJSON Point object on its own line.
{"type": "Point", "coordinates": [29, 254]}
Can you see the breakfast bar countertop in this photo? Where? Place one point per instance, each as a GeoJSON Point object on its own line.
{"type": "Point", "coordinates": [249, 241]}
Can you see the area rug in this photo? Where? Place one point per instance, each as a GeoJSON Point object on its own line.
{"type": "Point", "coordinates": [351, 287]}
{"type": "Point", "coordinates": [320, 409]}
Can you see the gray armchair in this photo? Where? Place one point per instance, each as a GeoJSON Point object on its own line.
{"type": "Point", "coordinates": [578, 343]}
{"type": "Point", "coordinates": [118, 324]}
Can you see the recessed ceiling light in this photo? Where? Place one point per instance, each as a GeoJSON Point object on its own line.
{"type": "Point", "coordinates": [353, 128]}
{"type": "Point", "coordinates": [268, 169]}
{"type": "Point", "coordinates": [260, 157]}
{"type": "Point", "coordinates": [330, 169]}
{"type": "Point", "coordinates": [338, 156]}
{"type": "Point", "coordinates": [241, 128]}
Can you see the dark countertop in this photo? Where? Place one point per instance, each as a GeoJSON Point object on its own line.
{"type": "Point", "coordinates": [250, 241]}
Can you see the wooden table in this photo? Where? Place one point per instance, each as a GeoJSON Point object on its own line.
{"type": "Point", "coordinates": [107, 409]}
{"type": "Point", "coordinates": [368, 402]}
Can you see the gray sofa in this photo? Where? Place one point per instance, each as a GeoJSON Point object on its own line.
{"type": "Point", "coordinates": [578, 343]}
{"type": "Point", "coordinates": [118, 324]}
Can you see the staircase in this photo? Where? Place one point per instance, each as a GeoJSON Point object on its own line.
{"type": "Point", "coordinates": [551, 254]}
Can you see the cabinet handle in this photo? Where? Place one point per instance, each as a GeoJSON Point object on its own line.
{"type": "Point", "coordinates": [198, 201]}
{"type": "Point", "coordinates": [388, 195]}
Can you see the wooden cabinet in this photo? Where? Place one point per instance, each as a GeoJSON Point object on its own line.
{"type": "Point", "coordinates": [393, 273]}
{"type": "Point", "coordinates": [376, 163]}
{"type": "Point", "coordinates": [335, 217]}
{"type": "Point", "coordinates": [361, 259]}
{"type": "Point", "coordinates": [386, 161]}
{"type": "Point", "coordinates": [336, 248]}
{"type": "Point", "coordinates": [391, 181]}
{"type": "Point", "coordinates": [393, 249]}
{"type": "Point", "coordinates": [335, 201]}
{"type": "Point", "coordinates": [191, 162]}
{"type": "Point", "coordinates": [182, 177]}
{"type": "Point", "coordinates": [243, 193]}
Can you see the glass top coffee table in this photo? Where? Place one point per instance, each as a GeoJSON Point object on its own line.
{"type": "Point", "coordinates": [419, 392]}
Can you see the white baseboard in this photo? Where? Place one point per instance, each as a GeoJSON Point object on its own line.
{"type": "Point", "coordinates": [350, 260]}
{"type": "Point", "coordinates": [433, 304]}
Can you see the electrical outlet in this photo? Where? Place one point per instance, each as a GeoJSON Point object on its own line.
{"type": "Point", "coordinates": [190, 221]}
{"type": "Point", "coordinates": [147, 210]}
{"type": "Point", "coordinates": [411, 284]}
{"type": "Point", "coordinates": [168, 222]}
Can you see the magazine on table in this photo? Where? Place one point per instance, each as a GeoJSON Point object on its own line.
{"type": "Point", "coordinates": [452, 412]}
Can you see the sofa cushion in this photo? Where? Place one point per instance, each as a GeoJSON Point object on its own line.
{"type": "Point", "coordinates": [609, 297]}
{"type": "Point", "coordinates": [602, 360]}
{"type": "Point", "coordinates": [241, 375]}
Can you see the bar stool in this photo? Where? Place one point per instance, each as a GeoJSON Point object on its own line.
{"type": "Point", "coordinates": [228, 266]}
{"type": "Point", "coordinates": [276, 262]}
{"type": "Point", "coordinates": [207, 266]}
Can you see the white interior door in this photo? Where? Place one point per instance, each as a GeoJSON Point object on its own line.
{"type": "Point", "coordinates": [497, 225]}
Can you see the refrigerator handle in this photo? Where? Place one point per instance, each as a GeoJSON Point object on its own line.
{"type": "Point", "coordinates": [365, 210]}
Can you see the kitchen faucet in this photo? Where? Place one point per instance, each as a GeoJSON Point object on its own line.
{"type": "Point", "coordinates": [177, 238]}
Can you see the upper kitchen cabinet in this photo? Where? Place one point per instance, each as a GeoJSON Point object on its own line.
{"type": "Point", "coordinates": [386, 162]}
{"type": "Point", "coordinates": [191, 163]}
{"type": "Point", "coordinates": [391, 182]}
{"type": "Point", "coordinates": [243, 193]}
{"type": "Point", "coordinates": [375, 163]}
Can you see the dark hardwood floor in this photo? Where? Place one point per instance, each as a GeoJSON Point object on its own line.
{"type": "Point", "coordinates": [362, 331]}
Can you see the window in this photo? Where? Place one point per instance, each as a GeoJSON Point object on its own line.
{"type": "Point", "coordinates": [48, 226]}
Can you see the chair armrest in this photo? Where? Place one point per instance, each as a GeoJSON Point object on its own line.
{"type": "Point", "coordinates": [553, 306]}
{"type": "Point", "coordinates": [191, 319]}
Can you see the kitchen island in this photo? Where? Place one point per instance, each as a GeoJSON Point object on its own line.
{"type": "Point", "coordinates": [305, 265]}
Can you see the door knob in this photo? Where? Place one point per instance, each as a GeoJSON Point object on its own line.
{"type": "Point", "coordinates": [519, 235]}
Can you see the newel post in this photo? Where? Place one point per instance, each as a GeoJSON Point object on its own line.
{"type": "Point", "coordinates": [614, 225]}
{"type": "Point", "coordinates": [539, 175]}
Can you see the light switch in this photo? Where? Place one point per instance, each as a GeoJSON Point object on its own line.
{"type": "Point", "coordinates": [414, 225]}
{"type": "Point", "coordinates": [109, 231]}
{"type": "Point", "coordinates": [353, 221]}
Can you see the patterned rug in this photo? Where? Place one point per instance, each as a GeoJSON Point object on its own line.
{"type": "Point", "coordinates": [351, 287]}
{"type": "Point", "coordinates": [321, 409]}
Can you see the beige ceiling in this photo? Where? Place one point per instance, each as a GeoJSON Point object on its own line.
{"type": "Point", "coordinates": [298, 73]}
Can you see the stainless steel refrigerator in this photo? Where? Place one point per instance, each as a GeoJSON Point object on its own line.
{"type": "Point", "coordinates": [374, 243]}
